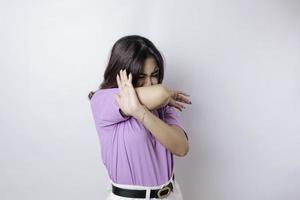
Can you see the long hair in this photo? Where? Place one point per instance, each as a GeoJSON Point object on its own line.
{"type": "Point", "coordinates": [130, 53]}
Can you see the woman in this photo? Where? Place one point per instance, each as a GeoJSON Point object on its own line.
{"type": "Point", "coordinates": [138, 127]}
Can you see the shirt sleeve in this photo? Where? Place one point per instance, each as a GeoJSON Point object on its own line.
{"type": "Point", "coordinates": [172, 117]}
{"type": "Point", "coordinates": [105, 108]}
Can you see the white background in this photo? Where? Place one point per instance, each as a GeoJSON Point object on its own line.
{"type": "Point", "coordinates": [239, 60]}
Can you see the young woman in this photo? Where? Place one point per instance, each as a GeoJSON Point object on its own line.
{"type": "Point", "coordinates": [138, 127]}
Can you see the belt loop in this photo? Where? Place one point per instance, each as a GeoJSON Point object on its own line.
{"type": "Point", "coordinates": [148, 191]}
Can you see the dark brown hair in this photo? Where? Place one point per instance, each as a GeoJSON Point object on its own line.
{"type": "Point", "coordinates": [130, 53]}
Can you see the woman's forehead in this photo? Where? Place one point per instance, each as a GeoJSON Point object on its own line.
{"type": "Point", "coordinates": [150, 65]}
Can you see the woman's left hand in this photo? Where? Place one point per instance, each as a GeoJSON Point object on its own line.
{"type": "Point", "coordinates": [178, 96]}
{"type": "Point", "coordinates": [127, 97]}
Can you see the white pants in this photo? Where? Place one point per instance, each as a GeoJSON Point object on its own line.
{"type": "Point", "coordinates": [174, 195]}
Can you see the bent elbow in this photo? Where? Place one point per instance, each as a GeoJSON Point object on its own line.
{"type": "Point", "coordinates": [184, 152]}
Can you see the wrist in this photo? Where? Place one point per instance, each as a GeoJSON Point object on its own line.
{"type": "Point", "coordinates": [167, 95]}
{"type": "Point", "coordinates": [140, 113]}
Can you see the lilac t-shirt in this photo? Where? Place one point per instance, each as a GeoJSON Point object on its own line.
{"type": "Point", "coordinates": [130, 153]}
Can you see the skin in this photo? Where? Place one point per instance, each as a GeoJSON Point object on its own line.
{"type": "Point", "coordinates": [150, 74]}
{"type": "Point", "coordinates": [170, 136]}
{"type": "Point", "coordinates": [154, 96]}
{"type": "Point", "coordinates": [149, 77]}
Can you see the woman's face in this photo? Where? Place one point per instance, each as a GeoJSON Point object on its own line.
{"type": "Point", "coordinates": [150, 73]}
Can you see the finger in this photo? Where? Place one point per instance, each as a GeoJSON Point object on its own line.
{"type": "Point", "coordinates": [180, 105]}
{"type": "Point", "coordinates": [178, 108]}
{"type": "Point", "coordinates": [121, 75]}
{"type": "Point", "coordinates": [119, 81]}
{"type": "Point", "coordinates": [176, 105]}
{"type": "Point", "coordinates": [130, 78]}
{"type": "Point", "coordinates": [125, 75]}
{"type": "Point", "coordinates": [126, 78]}
{"type": "Point", "coordinates": [121, 86]}
{"type": "Point", "coordinates": [181, 92]}
{"type": "Point", "coordinates": [183, 99]}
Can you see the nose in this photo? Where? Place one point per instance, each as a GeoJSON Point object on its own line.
{"type": "Point", "coordinates": [148, 82]}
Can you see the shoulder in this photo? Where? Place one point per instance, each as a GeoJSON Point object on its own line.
{"type": "Point", "coordinates": [103, 99]}
{"type": "Point", "coordinates": [104, 93]}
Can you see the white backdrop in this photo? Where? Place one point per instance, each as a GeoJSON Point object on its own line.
{"type": "Point", "coordinates": [239, 60]}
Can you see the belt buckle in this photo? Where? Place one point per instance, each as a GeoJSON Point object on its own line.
{"type": "Point", "coordinates": [162, 190]}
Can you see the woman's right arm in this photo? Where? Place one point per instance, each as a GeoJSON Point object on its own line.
{"type": "Point", "coordinates": [154, 96]}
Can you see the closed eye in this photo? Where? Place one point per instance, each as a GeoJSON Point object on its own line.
{"type": "Point", "coordinates": [154, 75]}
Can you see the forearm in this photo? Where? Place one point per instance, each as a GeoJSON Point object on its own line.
{"type": "Point", "coordinates": [153, 97]}
{"type": "Point", "coordinates": [170, 137]}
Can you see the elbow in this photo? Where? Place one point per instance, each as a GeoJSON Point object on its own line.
{"type": "Point", "coordinates": [184, 151]}
{"type": "Point", "coordinates": [181, 148]}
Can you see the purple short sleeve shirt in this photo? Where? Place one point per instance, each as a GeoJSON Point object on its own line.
{"type": "Point", "coordinates": [130, 153]}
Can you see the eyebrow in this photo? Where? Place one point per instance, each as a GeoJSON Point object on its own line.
{"type": "Point", "coordinates": [156, 70]}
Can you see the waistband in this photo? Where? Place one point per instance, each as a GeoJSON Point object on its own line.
{"type": "Point", "coordinates": [125, 186]}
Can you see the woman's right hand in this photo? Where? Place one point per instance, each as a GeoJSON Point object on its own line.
{"type": "Point", "coordinates": [127, 98]}
{"type": "Point", "coordinates": [178, 96]}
